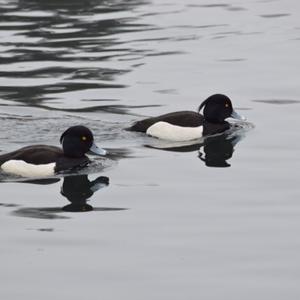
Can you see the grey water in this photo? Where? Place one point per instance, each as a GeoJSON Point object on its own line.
{"type": "Point", "coordinates": [219, 219]}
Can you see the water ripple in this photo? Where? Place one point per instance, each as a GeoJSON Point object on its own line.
{"type": "Point", "coordinates": [49, 49]}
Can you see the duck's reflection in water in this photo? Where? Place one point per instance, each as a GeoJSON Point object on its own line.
{"type": "Point", "coordinates": [214, 151]}
{"type": "Point", "coordinates": [217, 150]}
{"type": "Point", "coordinates": [78, 189]}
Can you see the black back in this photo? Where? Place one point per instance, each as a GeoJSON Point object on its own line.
{"type": "Point", "coordinates": [37, 154]}
{"type": "Point", "coordinates": [43, 154]}
{"type": "Point", "coordinates": [179, 118]}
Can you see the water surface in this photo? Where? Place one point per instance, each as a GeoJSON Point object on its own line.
{"type": "Point", "coordinates": [216, 219]}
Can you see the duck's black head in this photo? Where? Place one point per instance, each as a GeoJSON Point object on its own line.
{"type": "Point", "coordinates": [78, 140]}
{"type": "Point", "coordinates": [217, 108]}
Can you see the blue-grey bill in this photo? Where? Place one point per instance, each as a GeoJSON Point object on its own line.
{"type": "Point", "coordinates": [235, 115]}
{"type": "Point", "coordinates": [96, 150]}
{"type": "Point", "coordinates": [97, 186]}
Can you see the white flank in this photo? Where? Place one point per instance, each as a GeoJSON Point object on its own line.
{"type": "Point", "coordinates": [167, 131]}
{"type": "Point", "coordinates": [24, 169]}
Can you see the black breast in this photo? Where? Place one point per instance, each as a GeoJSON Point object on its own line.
{"type": "Point", "coordinates": [214, 128]}
{"type": "Point", "coordinates": [179, 118]}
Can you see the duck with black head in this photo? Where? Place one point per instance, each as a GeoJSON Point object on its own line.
{"type": "Point", "coordinates": [44, 160]}
{"type": "Point", "coordinates": [191, 125]}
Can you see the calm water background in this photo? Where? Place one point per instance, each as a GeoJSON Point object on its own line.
{"type": "Point", "coordinates": [167, 226]}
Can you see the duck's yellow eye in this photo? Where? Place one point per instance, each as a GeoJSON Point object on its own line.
{"type": "Point", "coordinates": [83, 138]}
{"type": "Point", "coordinates": [226, 105]}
